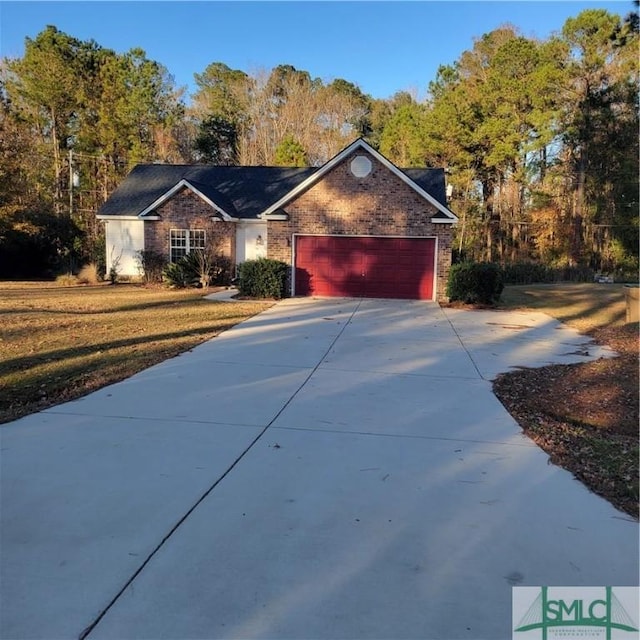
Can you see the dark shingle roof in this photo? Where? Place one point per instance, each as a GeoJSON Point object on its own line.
{"type": "Point", "coordinates": [242, 192]}
{"type": "Point", "coordinates": [431, 180]}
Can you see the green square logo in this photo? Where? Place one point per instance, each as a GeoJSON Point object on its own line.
{"type": "Point", "coordinates": [566, 613]}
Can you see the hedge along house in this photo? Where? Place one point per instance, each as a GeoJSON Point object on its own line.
{"type": "Point", "coordinates": [356, 226]}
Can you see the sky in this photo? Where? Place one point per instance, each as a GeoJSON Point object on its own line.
{"type": "Point", "coordinates": [383, 47]}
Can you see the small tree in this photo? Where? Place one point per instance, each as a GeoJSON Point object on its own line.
{"type": "Point", "coordinates": [290, 153]}
{"type": "Point", "coordinates": [114, 270]}
{"type": "Point", "coordinates": [210, 264]}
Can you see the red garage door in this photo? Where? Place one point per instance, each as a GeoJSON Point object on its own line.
{"type": "Point", "coordinates": [364, 267]}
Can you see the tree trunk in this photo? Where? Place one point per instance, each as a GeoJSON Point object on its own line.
{"type": "Point", "coordinates": [578, 213]}
{"type": "Point", "coordinates": [57, 164]}
{"type": "Point", "coordinates": [492, 221]}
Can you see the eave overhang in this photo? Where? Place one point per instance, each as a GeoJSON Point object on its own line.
{"type": "Point", "coordinates": [107, 217]}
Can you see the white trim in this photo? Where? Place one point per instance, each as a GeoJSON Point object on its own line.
{"type": "Point", "coordinates": [359, 144]}
{"type": "Point", "coordinates": [293, 263]}
{"type": "Point", "coordinates": [441, 221]}
{"type": "Point", "coordinates": [434, 292]}
{"type": "Point", "coordinates": [108, 217]}
{"type": "Point", "coordinates": [363, 235]}
{"type": "Point", "coordinates": [185, 183]}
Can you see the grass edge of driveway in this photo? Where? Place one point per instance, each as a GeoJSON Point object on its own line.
{"type": "Point", "coordinates": [584, 416]}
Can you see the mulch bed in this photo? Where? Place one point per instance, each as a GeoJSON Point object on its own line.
{"type": "Point", "coordinates": [585, 416]}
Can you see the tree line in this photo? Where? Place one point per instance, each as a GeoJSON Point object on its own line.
{"type": "Point", "coordinates": [539, 139]}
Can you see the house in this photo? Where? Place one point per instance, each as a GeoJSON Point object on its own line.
{"type": "Point", "coordinates": [356, 226]}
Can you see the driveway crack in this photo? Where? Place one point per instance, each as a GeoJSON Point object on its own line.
{"type": "Point", "coordinates": [473, 362]}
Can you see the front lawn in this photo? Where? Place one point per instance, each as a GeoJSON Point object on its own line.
{"type": "Point", "coordinates": [585, 416]}
{"type": "Point", "coordinates": [59, 343]}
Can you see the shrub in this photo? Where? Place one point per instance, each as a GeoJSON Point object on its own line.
{"type": "Point", "coordinates": [180, 275]}
{"type": "Point", "coordinates": [198, 269]}
{"type": "Point", "coordinates": [114, 271]}
{"type": "Point", "coordinates": [526, 273]}
{"type": "Point", "coordinates": [262, 278]}
{"type": "Point", "coordinates": [89, 274]}
{"type": "Point", "coordinates": [113, 274]}
{"type": "Point", "coordinates": [209, 267]}
{"type": "Point", "coordinates": [67, 280]}
{"type": "Point", "coordinates": [530, 273]}
{"type": "Point", "coordinates": [151, 265]}
{"type": "Point", "coordinates": [99, 256]}
{"type": "Point", "coordinates": [475, 283]}
{"type": "Point", "coordinates": [572, 274]}
{"type": "Point", "coordinates": [625, 275]}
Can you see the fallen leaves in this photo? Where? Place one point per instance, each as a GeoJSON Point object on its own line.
{"type": "Point", "coordinates": [585, 416]}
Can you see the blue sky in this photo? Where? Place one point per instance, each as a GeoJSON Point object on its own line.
{"type": "Point", "coordinates": [383, 47]}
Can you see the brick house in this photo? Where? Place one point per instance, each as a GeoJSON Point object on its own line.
{"type": "Point", "coordinates": [356, 226]}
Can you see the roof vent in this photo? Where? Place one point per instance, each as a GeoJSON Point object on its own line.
{"type": "Point", "coordinates": [361, 166]}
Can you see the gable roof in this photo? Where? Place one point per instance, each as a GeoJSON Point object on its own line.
{"type": "Point", "coordinates": [238, 192]}
{"type": "Point", "coordinates": [444, 213]}
{"type": "Point", "coordinates": [211, 196]}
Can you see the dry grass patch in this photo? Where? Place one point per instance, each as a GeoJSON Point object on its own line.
{"type": "Point", "coordinates": [59, 343]}
{"type": "Point", "coordinates": [585, 416]}
{"type": "Point", "coordinates": [584, 306]}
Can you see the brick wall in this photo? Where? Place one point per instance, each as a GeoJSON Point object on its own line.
{"type": "Point", "coordinates": [186, 210]}
{"type": "Point", "coordinates": [378, 204]}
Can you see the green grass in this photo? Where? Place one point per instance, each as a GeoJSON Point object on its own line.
{"type": "Point", "coordinates": [58, 343]}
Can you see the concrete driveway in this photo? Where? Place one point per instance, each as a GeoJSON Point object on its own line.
{"type": "Point", "coordinates": [327, 469]}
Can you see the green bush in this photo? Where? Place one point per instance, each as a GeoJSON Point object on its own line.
{"type": "Point", "coordinates": [526, 273]}
{"type": "Point", "coordinates": [151, 265]}
{"type": "Point", "coordinates": [572, 274]}
{"type": "Point", "coordinates": [475, 283]}
{"type": "Point", "coordinates": [262, 278]}
{"type": "Point", "coordinates": [530, 273]}
{"type": "Point", "coordinates": [220, 270]}
{"type": "Point", "coordinates": [180, 275]}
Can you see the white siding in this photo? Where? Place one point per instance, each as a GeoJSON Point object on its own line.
{"type": "Point", "coordinates": [124, 238]}
{"type": "Point", "coordinates": [246, 236]}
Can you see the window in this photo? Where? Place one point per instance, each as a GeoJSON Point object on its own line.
{"type": "Point", "coordinates": [196, 239]}
{"type": "Point", "coordinates": [183, 241]}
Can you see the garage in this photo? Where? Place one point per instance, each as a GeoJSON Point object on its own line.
{"type": "Point", "coordinates": [364, 266]}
